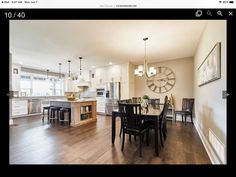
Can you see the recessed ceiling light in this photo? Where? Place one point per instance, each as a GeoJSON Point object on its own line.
{"type": "Point", "coordinates": [110, 63]}
{"type": "Point", "coordinates": [20, 62]}
{"type": "Point", "coordinates": [93, 66]}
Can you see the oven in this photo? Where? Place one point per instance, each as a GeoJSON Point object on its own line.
{"type": "Point", "coordinates": [100, 92]}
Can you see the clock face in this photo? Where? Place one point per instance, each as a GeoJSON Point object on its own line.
{"type": "Point", "coordinates": [163, 81]}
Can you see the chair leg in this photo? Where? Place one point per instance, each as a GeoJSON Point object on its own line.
{"type": "Point", "coordinates": [185, 118]}
{"type": "Point", "coordinates": [175, 118]}
{"type": "Point", "coordinates": [123, 141]}
{"type": "Point", "coordinates": [129, 137]}
{"type": "Point", "coordinates": [182, 118]}
{"type": "Point", "coordinates": [140, 146]}
{"type": "Point", "coordinates": [161, 137]}
{"type": "Point", "coordinates": [147, 137]}
{"type": "Point", "coordinates": [191, 118]}
{"type": "Point", "coordinates": [164, 131]}
{"type": "Point", "coordinates": [120, 130]}
{"type": "Point", "coordinates": [135, 137]}
{"type": "Point", "coordinates": [121, 127]}
{"type": "Point", "coordinates": [43, 115]}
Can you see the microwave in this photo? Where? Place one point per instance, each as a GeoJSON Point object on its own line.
{"type": "Point", "coordinates": [101, 92]}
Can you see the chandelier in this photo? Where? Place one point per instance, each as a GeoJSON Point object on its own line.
{"type": "Point", "coordinates": [144, 69]}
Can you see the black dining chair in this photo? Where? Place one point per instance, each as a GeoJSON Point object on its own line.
{"type": "Point", "coordinates": [132, 123]}
{"type": "Point", "coordinates": [123, 101]}
{"type": "Point", "coordinates": [187, 109]}
{"type": "Point", "coordinates": [162, 122]}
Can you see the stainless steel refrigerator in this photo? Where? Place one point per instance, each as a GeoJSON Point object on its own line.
{"type": "Point", "coordinates": [112, 93]}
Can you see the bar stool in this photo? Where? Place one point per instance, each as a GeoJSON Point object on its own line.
{"type": "Point", "coordinates": [62, 115]}
{"type": "Point", "coordinates": [47, 108]}
{"type": "Point", "coordinates": [53, 111]}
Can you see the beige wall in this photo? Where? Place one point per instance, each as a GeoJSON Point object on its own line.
{"type": "Point", "coordinates": [183, 69]}
{"type": "Point", "coordinates": [210, 108]}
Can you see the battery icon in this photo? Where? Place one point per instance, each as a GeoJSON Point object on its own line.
{"type": "Point", "coordinates": [231, 2]}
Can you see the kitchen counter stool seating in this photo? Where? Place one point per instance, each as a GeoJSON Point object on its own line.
{"type": "Point", "coordinates": [162, 122]}
{"type": "Point", "coordinates": [132, 123]}
{"type": "Point", "coordinates": [187, 109]}
{"type": "Point", "coordinates": [47, 108]}
{"type": "Point", "coordinates": [62, 115]}
{"type": "Point", "coordinates": [54, 113]}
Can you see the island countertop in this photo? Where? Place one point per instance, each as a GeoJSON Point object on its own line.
{"type": "Point", "coordinates": [74, 101]}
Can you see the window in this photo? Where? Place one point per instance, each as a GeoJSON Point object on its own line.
{"type": "Point", "coordinates": [25, 84]}
{"type": "Point", "coordinates": [39, 85]}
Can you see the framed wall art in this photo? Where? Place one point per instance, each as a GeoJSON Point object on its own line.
{"type": "Point", "coordinates": [209, 70]}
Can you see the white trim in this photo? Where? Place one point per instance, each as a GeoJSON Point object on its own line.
{"type": "Point", "coordinates": [212, 155]}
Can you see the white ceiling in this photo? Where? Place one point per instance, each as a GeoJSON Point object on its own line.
{"type": "Point", "coordinates": [42, 44]}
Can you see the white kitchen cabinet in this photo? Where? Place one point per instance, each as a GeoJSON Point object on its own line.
{"type": "Point", "coordinates": [114, 73]}
{"type": "Point", "coordinates": [100, 104]}
{"type": "Point", "coordinates": [101, 76]}
{"type": "Point", "coordinates": [15, 77]}
{"type": "Point", "coordinates": [19, 107]}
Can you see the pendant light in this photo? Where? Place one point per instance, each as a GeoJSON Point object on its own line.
{"type": "Point", "coordinates": [47, 73]}
{"type": "Point", "coordinates": [143, 69]}
{"type": "Point", "coordinates": [69, 70]}
{"type": "Point", "coordinates": [59, 71]}
{"type": "Point", "coordinates": [82, 82]}
{"type": "Point", "coordinates": [80, 70]}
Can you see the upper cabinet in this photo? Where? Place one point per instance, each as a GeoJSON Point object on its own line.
{"type": "Point", "coordinates": [15, 77]}
{"type": "Point", "coordinates": [114, 73]}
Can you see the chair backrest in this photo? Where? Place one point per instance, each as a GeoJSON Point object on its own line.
{"type": "Point", "coordinates": [155, 103]}
{"type": "Point", "coordinates": [131, 116]}
{"type": "Point", "coordinates": [136, 99]}
{"type": "Point", "coordinates": [125, 101]}
{"type": "Point", "coordinates": [187, 104]}
{"type": "Point", "coordinates": [165, 110]}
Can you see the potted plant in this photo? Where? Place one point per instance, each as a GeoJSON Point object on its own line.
{"type": "Point", "coordinates": [145, 98]}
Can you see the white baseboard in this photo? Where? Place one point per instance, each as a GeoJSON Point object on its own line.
{"type": "Point", "coordinates": [211, 153]}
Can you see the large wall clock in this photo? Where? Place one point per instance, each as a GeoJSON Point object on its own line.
{"type": "Point", "coordinates": [163, 81]}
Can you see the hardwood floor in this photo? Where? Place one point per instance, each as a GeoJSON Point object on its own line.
{"type": "Point", "coordinates": [35, 142]}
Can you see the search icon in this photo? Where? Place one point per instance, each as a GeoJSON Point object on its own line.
{"type": "Point", "coordinates": [219, 13]}
{"type": "Point", "coordinates": [209, 13]}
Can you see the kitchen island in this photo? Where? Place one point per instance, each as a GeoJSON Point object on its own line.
{"type": "Point", "coordinates": [82, 110]}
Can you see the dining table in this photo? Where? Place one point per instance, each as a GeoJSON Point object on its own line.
{"type": "Point", "coordinates": [149, 112]}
